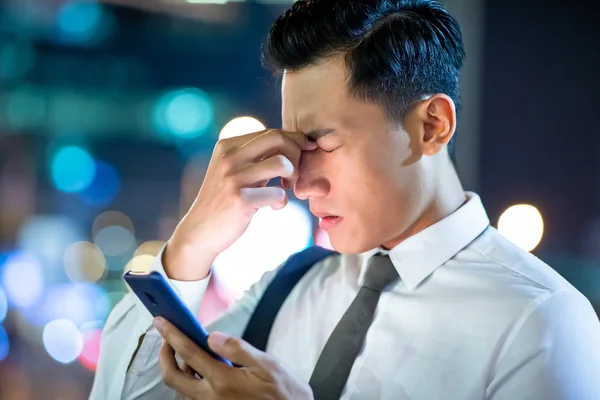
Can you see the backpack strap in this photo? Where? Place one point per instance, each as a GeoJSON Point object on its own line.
{"type": "Point", "coordinates": [259, 327]}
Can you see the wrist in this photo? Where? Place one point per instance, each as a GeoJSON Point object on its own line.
{"type": "Point", "coordinates": [186, 262]}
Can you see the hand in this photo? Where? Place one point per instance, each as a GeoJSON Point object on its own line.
{"type": "Point", "coordinates": [233, 190]}
{"type": "Point", "coordinates": [259, 377]}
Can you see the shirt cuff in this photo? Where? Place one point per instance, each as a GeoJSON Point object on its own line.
{"type": "Point", "coordinates": [190, 292]}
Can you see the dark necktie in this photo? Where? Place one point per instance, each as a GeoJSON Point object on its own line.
{"type": "Point", "coordinates": [343, 346]}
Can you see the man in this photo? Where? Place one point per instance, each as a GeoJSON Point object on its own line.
{"type": "Point", "coordinates": [426, 300]}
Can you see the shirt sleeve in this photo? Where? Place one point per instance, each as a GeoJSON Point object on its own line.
{"type": "Point", "coordinates": [130, 321]}
{"type": "Point", "coordinates": [555, 354]}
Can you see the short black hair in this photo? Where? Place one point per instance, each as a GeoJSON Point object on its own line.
{"type": "Point", "coordinates": [397, 51]}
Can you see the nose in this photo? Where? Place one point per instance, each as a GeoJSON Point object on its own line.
{"type": "Point", "coordinates": [311, 181]}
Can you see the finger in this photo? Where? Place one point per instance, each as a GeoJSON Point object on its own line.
{"type": "Point", "coordinates": [279, 206]}
{"type": "Point", "coordinates": [286, 184]}
{"type": "Point", "coordinates": [186, 369]}
{"type": "Point", "coordinates": [266, 170]}
{"type": "Point", "coordinates": [236, 350]}
{"type": "Point", "coordinates": [255, 198]}
{"type": "Point", "coordinates": [270, 143]}
{"type": "Point", "coordinates": [232, 144]}
{"type": "Point", "coordinates": [189, 351]}
{"type": "Point", "coordinates": [176, 379]}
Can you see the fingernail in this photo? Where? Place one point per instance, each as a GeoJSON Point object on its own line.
{"type": "Point", "coordinates": [157, 322]}
{"type": "Point", "coordinates": [217, 339]}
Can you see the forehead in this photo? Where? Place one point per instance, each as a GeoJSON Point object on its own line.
{"type": "Point", "coordinates": [316, 97]}
{"type": "Point", "coordinates": [314, 92]}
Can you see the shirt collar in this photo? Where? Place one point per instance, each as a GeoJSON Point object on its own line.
{"type": "Point", "coordinates": [418, 256]}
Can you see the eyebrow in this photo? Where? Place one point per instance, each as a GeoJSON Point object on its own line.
{"type": "Point", "coordinates": [319, 133]}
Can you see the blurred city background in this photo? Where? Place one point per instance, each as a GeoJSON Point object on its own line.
{"type": "Point", "coordinates": [109, 112]}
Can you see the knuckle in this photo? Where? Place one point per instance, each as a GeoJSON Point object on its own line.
{"type": "Point", "coordinates": [234, 345]}
{"type": "Point", "coordinates": [187, 350]}
{"type": "Point", "coordinates": [227, 162]}
{"type": "Point", "coordinates": [277, 138]}
{"type": "Point", "coordinates": [222, 146]}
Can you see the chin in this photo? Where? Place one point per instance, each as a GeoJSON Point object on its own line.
{"type": "Point", "coordinates": [350, 244]}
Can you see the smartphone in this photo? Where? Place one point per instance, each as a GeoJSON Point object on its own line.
{"type": "Point", "coordinates": [161, 300]}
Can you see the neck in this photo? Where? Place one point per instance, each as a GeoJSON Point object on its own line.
{"type": "Point", "coordinates": [446, 197]}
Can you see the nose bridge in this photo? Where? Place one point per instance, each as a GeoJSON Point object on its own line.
{"type": "Point", "coordinates": [310, 182]}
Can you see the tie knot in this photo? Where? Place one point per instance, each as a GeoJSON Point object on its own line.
{"type": "Point", "coordinates": [380, 272]}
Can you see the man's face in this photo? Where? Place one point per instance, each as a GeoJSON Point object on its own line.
{"type": "Point", "coordinates": [367, 170]}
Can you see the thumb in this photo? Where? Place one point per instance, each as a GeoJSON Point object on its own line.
{"type": "Point", "coordinates": [236, 350]}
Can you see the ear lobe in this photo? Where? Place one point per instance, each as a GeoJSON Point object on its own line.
{"type": "Point", "coordinates": [439, 124]}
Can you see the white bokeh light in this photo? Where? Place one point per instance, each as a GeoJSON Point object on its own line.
{"type": "Point", "coordinates": [80, 303]}
{"type": "Point", "coordinates": [62, 340]}
{"type": "Point", "coordinates": [241, 126]}
{"type": "Point", "coordinates": [23, 280]}
{"type": "Point", "coordinates": [270, 239]}
{"type": "Point", "coordinates": [47, 237]}
{"type": "Point", "coordinates": [523, 225]}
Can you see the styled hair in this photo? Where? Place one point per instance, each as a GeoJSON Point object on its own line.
{"type": "Point", "coordinates": [396, 51]}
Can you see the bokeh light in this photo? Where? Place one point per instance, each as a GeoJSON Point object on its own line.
{"type": "Point", "coordinates": [84, 22]}
{"type": "Point", "coordinates": [151, 247]}
{"type": "Point", "coordinates": [186, 113]}
{"type": "Point", "coordinates": [114, 240]}
{"type": "Point", "coordinates": [84, 262]}
{"type": "Point", "coordinates": [523, 225]}
{"type": "Point", "coordinates": [4, 343]}
{"type": "Point", "coordinates": [47, 237]}
{"type": "Point", "coordinates": [3, 305]}
{"type": "Point", "coordinates": [23, 280]}
{"type": "Point", "coordinates": [270, 239]}
{"type": "Point", "coordinates": [111, 218]}
{"type": "Point", "coordinates": [241, 126]}
{"type": "Point", "coordinates": [141, 263]}
{"type": "Point", "coordinates": [73, 169]}
{"type": "Point", "coordinates": [91, 334]}
{"type": "Point", "coordinates": [144, 256]}
{"type": "Point", "coordinates": [104, 188]}
{"type": "Point", "coordinates": [113, 233]}
{"type": "Point", "coordinates": [62, 340]}
{"type": "Point", "coordinates": [79, 303]}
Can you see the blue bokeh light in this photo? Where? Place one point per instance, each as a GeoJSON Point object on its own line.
{"type": "Point", "coordinates": [187, 113]}
{"type": "Point", "coordinates": [62, 340]}
{"type": "Point", "coordinates": [104, 187]}
{"type": "Point", "coordinates": [114, 240]}
{"type": "Point", "coordinates": [4, 343]}
{"type": "Point", "coordinates": [3, 305]}
{"type": "Point", "coordinates": [73, 169]}
{"type": "Point", "coordinates": [23, 280]}
{"type": "Point", "coordinates": [84, 22]}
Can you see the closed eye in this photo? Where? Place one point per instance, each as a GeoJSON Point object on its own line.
{"type": "Point", "coordinates": [325, 151]}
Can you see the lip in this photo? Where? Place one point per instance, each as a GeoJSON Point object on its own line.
{"type": "Point", "coordinates": [329, 222]}
{"type": "Point", "coordinates": [323, 214]}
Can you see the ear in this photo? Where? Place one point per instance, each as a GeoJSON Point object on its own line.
{"type": "Point", "coordinates": [439, 123]}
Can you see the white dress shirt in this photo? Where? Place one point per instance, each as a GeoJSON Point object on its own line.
{"type": "Point", "coordinates": [473, 317]}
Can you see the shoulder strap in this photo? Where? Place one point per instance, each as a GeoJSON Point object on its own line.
{"type": "Point", "coordinates": [259, 327]}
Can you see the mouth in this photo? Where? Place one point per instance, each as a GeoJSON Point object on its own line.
{"type": "Point", "coordinates": [327, 222]}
